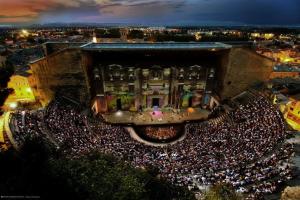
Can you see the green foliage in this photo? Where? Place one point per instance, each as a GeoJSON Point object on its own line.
{"type": "Point", "coordinates": [97, 177]}
{"type": "Point", "coordinates": [40, 169]}
{"type": "Point", "coordinates": [222, 192]}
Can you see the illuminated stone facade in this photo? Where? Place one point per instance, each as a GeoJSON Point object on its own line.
{"type": "Point", "coordinates": [132, 88]}
{"type": "Point", "coordinates": [59, 73]}
{"type": "Point", "coordinates": [133, 76]}
{"type": "Point", "coordinates": [22, 92]}
{"type": "Point", "coordinates": [142, 76]}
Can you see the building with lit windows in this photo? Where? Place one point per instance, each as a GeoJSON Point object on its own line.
{"type": "Point", "coordinates": [22, 92]}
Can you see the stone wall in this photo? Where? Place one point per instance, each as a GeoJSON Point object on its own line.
{"type": "Point", "coordinates": [291, 193]}
{"type": "Point", "coordinates": [60, 73]}
{"type": "Point", "coordinates": [242, 68]}
{"type": "Point", "coordinates": [52, 47]}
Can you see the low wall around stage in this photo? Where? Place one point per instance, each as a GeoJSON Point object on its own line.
{"type": "Point", "coordinates": [147, 118]}
{"type": "Point", "coordinates": [136, 137]}
{"type": "Point", "coordinates": [160, 133]}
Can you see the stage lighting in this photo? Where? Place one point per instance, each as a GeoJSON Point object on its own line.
{"type": "Point", "coordinates": [13, 105]}
{"type": "Point", "coordinates": [119, 113]}
{"type": "Point", "coordinates": [190, 110]}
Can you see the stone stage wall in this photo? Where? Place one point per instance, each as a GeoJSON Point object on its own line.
{"type": "Point", "coordinates": [240, 69]}
{"type": "Point", "coordinates": [60, 72]}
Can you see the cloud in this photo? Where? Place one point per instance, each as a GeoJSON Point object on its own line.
{"type": "Point", "coordinates": [29, 10]}
{"type": "Point", "coordinates": [136, 9]}
{"type": "Point", "coordinates": [162, 11]}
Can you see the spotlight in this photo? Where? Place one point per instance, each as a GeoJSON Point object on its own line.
{"type": "Point", "coordinates": [190, 110]}
{"type": "Point", "coordinates": [13, 105]}
{"type": "Point", "coordinates": [28, 89]}
{"type": "Point", "coordinates": [119, 113]}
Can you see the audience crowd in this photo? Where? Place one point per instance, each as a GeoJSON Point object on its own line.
{"type": "Point", "coordinates": [160, 133]}
{"type": "Point", "coordinates": [26, 124]}
{"type": "Point", "coordinates": [246, 148]}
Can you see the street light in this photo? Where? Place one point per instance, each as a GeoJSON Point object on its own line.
{"type": "Point", "coordinates": [24, 33]}
{"type": "Point", "coordinates": [13, 105]}
{"type": "Point", "coordinates": [119, 113]}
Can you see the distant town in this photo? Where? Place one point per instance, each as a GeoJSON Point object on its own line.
{"type": "Point", "coordinates": [280, 44]}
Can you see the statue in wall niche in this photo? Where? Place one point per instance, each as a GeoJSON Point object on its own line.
{"type": "Point", "coordinates": [155, 92]}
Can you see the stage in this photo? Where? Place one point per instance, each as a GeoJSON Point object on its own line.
{"type": "Point", "coordinates": [156, 116]}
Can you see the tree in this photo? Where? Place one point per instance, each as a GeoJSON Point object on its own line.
{"type": "Point", "coordinates": [133, 34]}
{"type": "Point", "coordinates": [108, 33]}
{"type": "Point", "coordinates": [162, 37]}
{"type": "Point", "coordinates": [5, 73]}
{"type": "Point", "coordinates": [3, 36]}
{"type": "Point", "coordinates": [40, 169]}
{"type": "Point", "coordinates": [222, 191]}
{"type": "Point", "coordinates": [31, 39]}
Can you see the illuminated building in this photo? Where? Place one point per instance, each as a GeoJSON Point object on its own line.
{"type": "Point", "coordinates": [255, 35]}
{"type": "Point", "coordinates": [94, 39]}
{"type": "Point", "coordinates": [198, 36]}
{"type": "Point", "coordinates": [292, 114]}
{"type": "Point", "coordinates": [266, 36]}
{"type": "Point", "coordinates": [282, 71]}
{"type": "Point", "coordinates": [286, 56]}
{"type": "Point", "coordinates": [290, 107]}
{"type": "Point", "coordinates": [24, 33]}
{"type": "Point", "coordinates": [22, 92]}
{"type": "Point", "coordinates": [1, 130]}
{"type": "Point", "coordinates": [131, 76]}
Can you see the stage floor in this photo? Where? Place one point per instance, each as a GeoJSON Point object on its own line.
{"type": "Point", "coordinates": [151, 117]}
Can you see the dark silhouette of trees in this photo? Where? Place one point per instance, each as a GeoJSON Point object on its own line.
{"type": "Point", "coordinates": [108, 33]}
{"type": "Point", "coordinates": [222, 192]}
{"type": "Point", "coordinates": [5, 74]}
{"type": "Point", "coordinates": [40, 169]}
{"type": "Point", "coordinates": [163, 37]}
{"type": "Point", "coordinates": [135, 34]}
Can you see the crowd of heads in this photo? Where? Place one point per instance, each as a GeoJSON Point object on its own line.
{"type": "Point", "coordinates": [160, 133]}
{"type": "Point", "coordinates": [69, 128]}
{"type": "Point", "coordinates": [245, 149]}
{"type": "Point", "coordinates": [26, 124]}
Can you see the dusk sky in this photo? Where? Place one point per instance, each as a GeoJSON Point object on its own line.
{"type": "Point", "coordinates": [194, 12]}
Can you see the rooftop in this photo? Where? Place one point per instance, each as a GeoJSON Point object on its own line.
{"type": "Point", "coordinates": [157, 46]}
{"type": "Point", "coordinates": [286, 68]}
